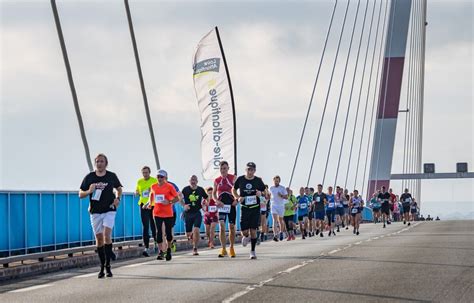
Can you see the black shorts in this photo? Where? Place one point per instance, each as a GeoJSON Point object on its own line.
{"type": "Point", "coordinates": [192, 220]}
{"type": "Point", "coordinates": [386, 209]}
{"type": "Point", "coordinates": [264, 213]}
{"type": "Point", "coordinates": [340, 211]}
{"type": "Point", "coordinates": [287, 220]}
{"type": "Point", "coordinates": [310, 215]}
{"type": "Point", "coordinates": [301, 218]}
{"type": "Point", "coordinates": [249, 218]}
{"type": "Point", "coordinates": [230, 216]}
{"type": "Point", "coordinates": [406, 208]}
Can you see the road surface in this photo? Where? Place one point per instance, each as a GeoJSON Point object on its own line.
{"type": "Point", "coordinates": [428, 261]}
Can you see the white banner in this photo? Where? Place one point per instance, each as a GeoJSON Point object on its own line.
{"type": "Point", "coordinates": [215, 105]}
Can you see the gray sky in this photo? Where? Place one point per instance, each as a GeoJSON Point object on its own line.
{"type": "Point", "coordinates": [272, 49]}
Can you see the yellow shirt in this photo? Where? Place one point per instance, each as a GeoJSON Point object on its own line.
{"type": "Point", "coordinates": [143, 188]}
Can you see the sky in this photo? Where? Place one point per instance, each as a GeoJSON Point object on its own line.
{"type": "Point", "coordinates": [273, 50]}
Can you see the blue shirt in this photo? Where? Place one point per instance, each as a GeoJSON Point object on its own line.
{"type": "Point", "coordinates": [331, 202]}
{"type": "Point", "coordinates": [303, 205]}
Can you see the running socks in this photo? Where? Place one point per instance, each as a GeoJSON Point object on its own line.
{"type": "Point", "coordinates": [253, 243]}
{"type": "Point", "coordinates": [109, 254]}
{"type": "Point", "coordinates": [101, 254]}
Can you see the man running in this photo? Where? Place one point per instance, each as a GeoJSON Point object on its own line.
{"type": "Point", "coordinates": [331, 210]}
{"type": "Point", "coordinates": [347, 212]}
{"type": "Point", "coordinates": [290, 208]}
{"type": "Point", "coordinates": [163, 195]}
{"type": "Point", "coordinates": [247, 190]}
{"type": "Point", "coordinates": [406, 199]}
{"type": "Point", "coordinates": [414, 210]}
{"type": "Point", "coordinates": [210, 218]}
{"type": "Point", "coordinates": [376, 206]}
{"type": "Point", "coordinates": [99, 185]}
{"type": "Point", "coordinates": [309, 195]}
{"type": "Point", "coordinates": [278, 196]}
{"type": "Point", "coordinates": [303, 207]}
{"type": "Point", "coordinates": [384, 198]}
{"type": "Point", "coordinates": [222, 194]}
{"type": "Point", "coordinates": [143, 191]}
{"type": "Point", "coordinates": [193, 199]}
{"type": "Point", "coordinates": [356, 204]}
{"type": "Point", "coordinates": [320, 201]}
{"type": "Point", "coordinates": [339, 208]}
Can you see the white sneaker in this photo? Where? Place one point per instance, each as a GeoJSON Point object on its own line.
{"type": "Point", "coordinates": [245, 241]}
{"type": "Point", "coordinates": [253, 256]}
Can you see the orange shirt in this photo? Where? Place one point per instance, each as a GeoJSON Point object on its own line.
{"type": "Point", "coordinates": [160, 193]}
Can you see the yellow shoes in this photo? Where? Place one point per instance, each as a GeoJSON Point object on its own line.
{"type": "Point", "coordinates": [232, 252]}
{"type": "Point", "coordinates": [222, 253]}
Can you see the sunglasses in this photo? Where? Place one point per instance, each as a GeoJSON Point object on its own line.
{"type": "Point", "coordinates": [161, 177]}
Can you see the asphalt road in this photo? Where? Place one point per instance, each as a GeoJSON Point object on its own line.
{"type": "Point", "coordinates": [429, 261]}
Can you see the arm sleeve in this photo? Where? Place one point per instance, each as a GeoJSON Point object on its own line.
{"type": "Point", "coordinates": [85, 183]}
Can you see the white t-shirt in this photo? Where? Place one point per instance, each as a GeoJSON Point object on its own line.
{"type": "Point", "coordinates": [276, 199]}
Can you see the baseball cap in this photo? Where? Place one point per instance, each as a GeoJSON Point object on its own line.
{"type": "Point", "coordinates": [252, 165]}
{"type": "Point", "coordinates": [162, 173]}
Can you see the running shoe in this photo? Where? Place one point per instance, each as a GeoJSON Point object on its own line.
{"type": "Point", "coordinates": [258, 241]}
{"type": "Point", "coordinates": [409, 223]}
{"type": "Point", "coordinates": [343, 225]}
{"type": "Point", "coordinates": [389, 222]}
{"type": "Point", "coordinates": [293, 237]}
{"type": "Point", "coordinates": [253, 256]}
{"type": "Point", "coordinates": [145, 252]}
{"type": "Point", "coordinates": [245, 241]}
{"type": "Point", "coordinates": [155, 248]}
{"type": "Point", "coordinates": [222, 253]}
{"type": "Point", "coordinates": [289, 238]}
{"type": "Point", "coordinates": [281, 236]}
{"type": "Point", "coordinates": [195, 252]}
{"type": "Point", "coordinates": [347, 227]}
{"type": "Point", "coordinates": [168, 254]}
{"type": "Point", "coordinates": [354, 231]}
{"type": "Point", "coordinates": [321, 235]}
{"type": "Point", "coordinates": [405, 222]}
{"type": "Point", "coordinates": [265, 237]}
{"type": "Point", "coordinates": [161, 256]}
{"type": "Point", "coordinates": [384, 225]}
{"type": "Point", "coordinates": [317, 232]}
{"type": "Point", "coordinates": [232, 252]}
{"type": "Point", "coordinates": [338, 229]}
{"type": "Point", "coordinates": [109, 272]}
{"type": "Point", "coordinates": [310, 235]}
{"type": "Point", "coordinates": [275, 239]}
{"type": "Point", "coordinates": [357, 233]}
{"type": "Point", "coordinates": [173, 246]}
{"type": "Point", "coordinates": [303, 237]}
{"type": "Point", "coordinates": [329, 234]}
{"type": "Point", "coordinates": [333, 233]}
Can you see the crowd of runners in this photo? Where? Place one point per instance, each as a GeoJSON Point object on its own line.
{"type": "Point", "coordinates": [308, 212]}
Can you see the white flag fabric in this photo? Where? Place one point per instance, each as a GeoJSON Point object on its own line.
{"type": "Point", "coordinates": [213, 93]}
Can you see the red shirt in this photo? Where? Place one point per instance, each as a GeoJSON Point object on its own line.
{"type": "Point", "coordinates": [160, 193]}
{"type": "Point", "coordinates": [224, 185]}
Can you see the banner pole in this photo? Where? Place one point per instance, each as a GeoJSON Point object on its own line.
{"type": "Point", "coordinates": [231, 98]}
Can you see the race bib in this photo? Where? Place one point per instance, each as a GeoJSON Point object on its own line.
{"type": "Point", "coordinates": [159, 199]}
{"type": "Point", "coordinates": [251, 200]}
{"type": "Point", "coordinates": [263, 207]}
{"type": "Point", "coordinates": [212, 209]}
{"type": "Point", "coordinates": [407, 200]}
{"type": "Point", "coordinates": [331, 204]}
{"type": "Point", "coordinates": [318, 199]}
{"type": "Point", "coordinates": [303, 206]}
{"type": "Point", "coordinates": [96, 194]}
{"type": "Point", "coordinates": [225, 209]}
{"type": "Point", "coordinates": [146, 193]}
{"type": "Point", "coordinates": [355, 210]}
{"type": "Point", "coordinates": [345, 202]}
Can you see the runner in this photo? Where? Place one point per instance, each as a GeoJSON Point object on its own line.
{"type": "Point", "coordinates": [356, 204]}
{"type": "Point", "coordinates": [210, 218]}
{"type": "Point", "coordinates": [393, 200]}
{"type": "Point", "coordinates": [375, 204]}
{"type": "Point", "coordinates": [222, 194]}
{"type": "Point", "coordinates": [163, 195]}
{"type": "Point", "coordinates": [331, 210]}
{"type": "Point", "coordinates": [247, 190]}
{"type": "Point", "coordinates": [413, 210]}
{"type": "Point", "coordinates": [180, 196]}
{"type": "Point", "coordinates": [193, 197]}
{"type": "Point", "coordinates": [143, 191]}
{"type": "Point", "coordinates": [339, 208]}
{"type": "Point", "coordinates": [319, 201]}
{"type": "Point", "coordinates": [303, 206]}
{"type": "Point", "coordinates": [278, 195]}
{"type": "Point", "coordinates": [290, 208]}
{"type": "Point", "coordinates": [384, 199]}
{"type": "Point", "coordinates": [309, 195]}
{"type": "Point", "coordinates": [406, 199]}
{"type": "Point", "coordinates": [264, 201]}
{"type": "Point", "coordinates": [345, 203]}
{"type": "Point", "coordinates": [99, 185]}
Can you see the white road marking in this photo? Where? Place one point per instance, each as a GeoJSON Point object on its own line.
{"type": "Point", "coordinates": [133, 265]}
{"type": "Point", "coordinates": [85, 276]}
{"type": "Point", "coordinates": [30, 288]}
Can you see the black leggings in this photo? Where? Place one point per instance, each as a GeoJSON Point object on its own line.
{"type": "Point", "coordinates": [169, 222]}
{"type": "Point", "coordinates": [147, 223]}
{"type": "Point", "coordinates": [288, 219]}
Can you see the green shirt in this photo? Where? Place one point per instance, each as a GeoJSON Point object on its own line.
{"type": "Point", "coordinates": [143, 188]}
{"type": "Point", "coordinates": [290, 206]}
